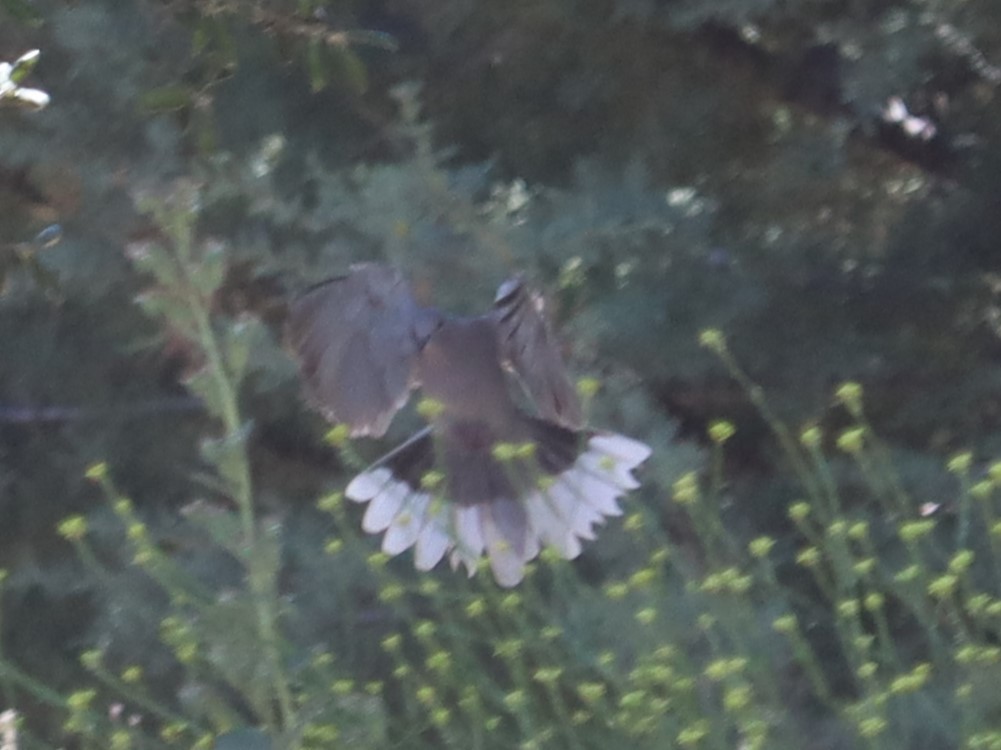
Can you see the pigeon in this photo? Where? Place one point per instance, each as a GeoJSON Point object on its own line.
{"type": "Point", "coordinates": [485, 478]}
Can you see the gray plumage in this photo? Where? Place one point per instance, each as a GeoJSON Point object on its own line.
{"type": "Point", "coordinates": [512, 481]}
{"type": "Point", "coordinates": [357, 341]}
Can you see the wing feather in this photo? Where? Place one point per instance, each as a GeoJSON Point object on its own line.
{"type": "Point", "coordinates": [528, 347]}
{"type": "Point", "coordinates": [356, 338]}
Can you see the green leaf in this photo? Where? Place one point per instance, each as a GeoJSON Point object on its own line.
{"type": "Point", "coordinates": [204, 384]}
{"type": "Point", "coordinates": [212, 267]}
{"type": "Point", "coordinates": [348, 69]}
{"type": "Point", "coordinates": [222, 525]}
{"type": "Point", "coordinates": [158, 304]}
{"type": "Point", "coordinates": [264, 561]}
{"type": "Point", "coordinates": [153, 258]}
{"type": "Point", "coordinates": [166, 99]}
{"type": "Point", "coordinates": [228, 455]}
{"type": "Point", "coordinates": [213, 706]}
{"type": "Point", "coordinates": [224, 42]}
{"type": "Point", "coordinates": [201, 36]}
{"type": "Point", "coordinates": [239, 342]}
{"type": "Point", "coordinates": [316, 65]}
{"type": "Point", "coordinates": [228, 628]}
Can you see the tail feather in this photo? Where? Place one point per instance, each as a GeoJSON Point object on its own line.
{"type": "Point", "coordinates": [505, 510]}
{"type": "Point", "coordinates": [434, 539]}
{"type": "Point", "coordinates": [504, 527]}
{"type": "Point", "coordinates": [408, 525]}
{"type": "Point", "coordinates": [384, 506]}
{"type": "Point", "coordinates": [468, 535]}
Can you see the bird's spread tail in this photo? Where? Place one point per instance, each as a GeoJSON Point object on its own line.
{"type": "Point", "coordinates": [504, 502]}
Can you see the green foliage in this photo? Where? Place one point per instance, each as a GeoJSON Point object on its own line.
{"type": "Point", "coordinates": [227, 640]}
{"type": "Point", "coordinates": [224, 33]}
{"type": "Point", "coordinates": [850, 597]}
{"type": "Point", "coordinates": [877, 616]}
{"type": "Point", "coordinates": [23, 255]}
{"type": "Point", "coordinates": [328, 53]}
{"type": "Point", "coordinates": [21, 11]}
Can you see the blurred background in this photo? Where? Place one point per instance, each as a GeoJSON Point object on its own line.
{"type": "Point", "coordinates": [817, 180]}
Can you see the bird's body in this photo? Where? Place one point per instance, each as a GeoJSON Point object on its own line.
{"type": "Point", "coordinates": [458, 365]}
{"type": "Point", "coordinates": [485, 477]}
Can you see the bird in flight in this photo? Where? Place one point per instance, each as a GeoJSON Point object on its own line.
{"type": "Point", "coordinates": [485, 477]}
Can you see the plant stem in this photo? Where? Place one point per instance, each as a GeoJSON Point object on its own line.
{"type": "Point", "coordinates": [242, 489]}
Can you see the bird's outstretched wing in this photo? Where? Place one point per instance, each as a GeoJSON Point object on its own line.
{"type": "Point", "coordinates": [357, 338]}
{"type": "Point", "coordinates": [527, 346]}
